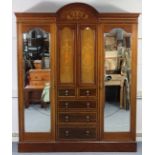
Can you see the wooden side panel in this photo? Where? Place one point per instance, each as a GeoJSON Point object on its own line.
{"type": "Point", "coordinates": [87, 55]}
{"type": "Point", "coordinates": [66, 55]}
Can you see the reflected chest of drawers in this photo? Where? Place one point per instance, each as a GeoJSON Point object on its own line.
{"type": "Point", "coordinates": [38, 77]}
{"type": "Point", "coordinates": [37, 80]}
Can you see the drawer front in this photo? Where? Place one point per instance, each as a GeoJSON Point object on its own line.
{"type": "Point", "coordinates": [66, 92]}
{"type": "Point", "coordinates": [38, 83]}
{"type": "Point", "coordinates": [77, 133]}
{"type": "Point", "coordinates": [87, 105]}
{"type": "Point", "coordinates": [87, 92]}
{"type": "Point", "coordinates": [40, 76]}
{"type": "Point", "coordinates": [77, 117]}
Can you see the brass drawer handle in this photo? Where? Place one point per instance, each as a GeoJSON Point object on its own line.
{"type": "Point", "coordinates": [88, 118]}
{"type": "Point", "coordinates": [88, 104]}
{"type": "Point", "coordinates": [87, 92]}
{"type": "Point", "coordinates": [66, 105]}
{"type": "Point", "coordinates": [66, 118]}
{"type": "Point", "coordinates": [66, 133]}
{"type": "Point", "coordinates": [87, 132]}
{"type": "Point", "coordinates": [66, 92]}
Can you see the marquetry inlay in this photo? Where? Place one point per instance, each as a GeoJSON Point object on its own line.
{"type": "Point", "coordinates": [74, 15]}
{"type": "Point", "coordinates": [66, 55]}
{"type": "Point", "coordinates": [87, 55]}
{"type": "Point", "coordinates": [77, 14]}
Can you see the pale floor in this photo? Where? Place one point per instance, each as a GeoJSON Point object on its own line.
{"type": "Point", "coordinates": [116, 119]}
{"type": "Point", "coordinates": [139, 152]}
{"type": "Point", "coordinates": [37, 119]}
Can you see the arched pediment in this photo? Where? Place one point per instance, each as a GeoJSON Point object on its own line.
{"type": "Point", "coordinates": [77, 11]}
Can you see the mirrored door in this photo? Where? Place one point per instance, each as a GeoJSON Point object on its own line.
{"type": "Point", "coordinates": [37, 80]}
{"type": "Point", "coordinates": [117, 80]}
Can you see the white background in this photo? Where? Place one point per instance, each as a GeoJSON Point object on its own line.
{"type": "Point", "coordinates": [8, 62]}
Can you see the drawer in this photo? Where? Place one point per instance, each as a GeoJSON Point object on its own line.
{"type": "Point", "coordinates": [39, 74]}
{"type": "Point", "coordinates": [77, 117]}
{"type": "Point", "coordinates": [66, 92]}
{"type": "Point", "coordinates": [87, 105]}
{"type": "Point", "coordinates": [38, 83]}
{"type": "Point", "coordinates": [77, 133]}
{"type": "Point", "coordinates": [87, 92]}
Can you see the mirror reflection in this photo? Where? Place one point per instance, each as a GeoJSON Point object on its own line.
{"type": "Point", "coordinates": [117, 80]}
{"type": "Point", "coordinates": [36, 80]}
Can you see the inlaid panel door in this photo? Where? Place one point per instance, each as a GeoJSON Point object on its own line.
{"type": "Point", "coordinates": [66, 60]}
{"type": "Point", "coordinates": [77, 59]}
{"type": "Point", "coordinates": [87, 64]}
{"type": "Point", "coordinates": [77, 82]}
{"type": "Point", "coordinates": [87, 75]}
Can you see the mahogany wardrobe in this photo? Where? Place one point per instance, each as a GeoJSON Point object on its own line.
{"type": "Point", "coordinates": [77, 80]}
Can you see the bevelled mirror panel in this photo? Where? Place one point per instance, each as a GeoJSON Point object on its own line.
{"type": "Point", "coordinates": [117, 80]}
{"type": "Point", "coordinates": [36, 60]}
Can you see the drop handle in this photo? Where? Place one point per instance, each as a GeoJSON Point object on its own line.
{"type": "Point", "coordinates": [66, 105]}
{"type": "Point", "coordinates": [66, 92]}
{"type": "Point", "coordinates": [87, 132]}
{"type": "Point", "coordinates": [88, 104]}
{"type": "Point", "coordinates": [66, 118]}
{"type": "Point", "coordinates": [66, 133]}
{"type": "Point", "coordinates": [87, 92]}
{"type": "Point", "coordinates": [88, 118]}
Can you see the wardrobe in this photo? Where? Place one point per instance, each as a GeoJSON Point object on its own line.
{"type": "Point", "coordinates": [77, 80]}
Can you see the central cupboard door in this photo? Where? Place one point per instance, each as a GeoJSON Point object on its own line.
{"type": "Point", "coordinates": [77, 82]}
